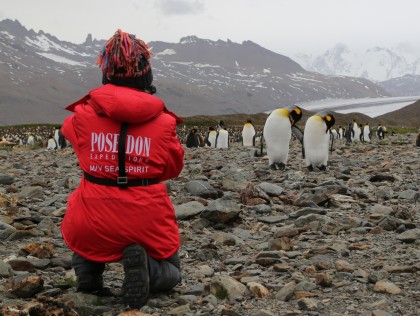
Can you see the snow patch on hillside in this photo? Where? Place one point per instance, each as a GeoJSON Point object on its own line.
{"type": "Point", "coordinates": [60, 59]}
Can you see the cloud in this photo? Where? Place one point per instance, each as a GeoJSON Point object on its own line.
{"type": "Point", "coordinates": [180, 7]}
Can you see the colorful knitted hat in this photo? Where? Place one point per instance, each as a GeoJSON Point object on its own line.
{"type": "Point", "coordinates": [124, 60]}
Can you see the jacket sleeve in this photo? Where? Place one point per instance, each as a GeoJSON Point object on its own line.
{"type": "Point", "coordinates": [69, 132]}
{"type": "Point", "coordinates": [175, 157]}
{"type": "Point", "coordinates": [68, 129]}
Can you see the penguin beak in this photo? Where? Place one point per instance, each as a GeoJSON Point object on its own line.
{"type": "Point", "coordinates": [296, 115]}
{"type": "Point", "coordinates": [329, 121]}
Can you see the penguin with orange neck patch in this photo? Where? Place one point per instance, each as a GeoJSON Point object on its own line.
{"type": "Point", "coordinates": [316, 139]}
{"type": "Point", "coordinates": [277, 134]}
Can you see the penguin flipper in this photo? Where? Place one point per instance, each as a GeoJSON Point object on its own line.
{"type": "Point", "coordinates": [261, 145]}
{"type": "Point", "coordinates": [331, 140]}
{"type": "Point", "coordinates": [299, 135]}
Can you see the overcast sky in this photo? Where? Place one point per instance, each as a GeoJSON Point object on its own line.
{"type": "Point", "coordinates": [283, 26]}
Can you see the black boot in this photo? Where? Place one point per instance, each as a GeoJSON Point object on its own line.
{"type": "Point", "coordinates": [136, 279]}
{"type": "Point", "coordinates": [89, 282]}
{"type": "Point", "coordinates": [88, 273]}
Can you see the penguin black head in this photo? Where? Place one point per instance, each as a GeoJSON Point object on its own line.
{"type": "Point", "coordinates": [295, 114]}
{"type": "Point", "coordinates": [329, 120]}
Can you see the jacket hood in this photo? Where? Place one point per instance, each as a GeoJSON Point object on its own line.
{"type": "Point", "coordinates": [122, 104]}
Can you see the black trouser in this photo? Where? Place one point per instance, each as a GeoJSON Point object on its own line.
{"type": "Point", "coordinates": [163, 274]}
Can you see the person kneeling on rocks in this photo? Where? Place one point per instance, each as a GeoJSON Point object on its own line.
{"type": "Point", "coordinates": [126, 144]}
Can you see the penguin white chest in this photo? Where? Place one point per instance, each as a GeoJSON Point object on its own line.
{"type": "Point", "coordinates": [212, 139]}
{"type": "Point", "coordinates": [357, 133]}
{"type": "Point", "coordinates": [51, 144]}
{"type": "Point", "coordinates": [366, 134]}
{"type": "Point", "coordinates": [277, 134]}
{"type": "Point", "coordinates": [248, 133]}
{"type": "Point", "coordinates": [222, 139]}
{"type": "Point", "coordinates": [315, 141]}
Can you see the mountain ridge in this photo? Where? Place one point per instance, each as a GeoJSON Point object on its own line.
{"type": "Point", "coordinates": [193, 77]}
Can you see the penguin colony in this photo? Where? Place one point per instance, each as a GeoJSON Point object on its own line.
{"type": "Point", "coordinates": [317, 141]}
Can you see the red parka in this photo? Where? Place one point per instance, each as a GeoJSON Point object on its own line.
{"type": "Point", "coordinates": [100, 221]}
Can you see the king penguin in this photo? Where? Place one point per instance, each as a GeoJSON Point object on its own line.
{"type": "Point", "coordinates": [57, 137]}
{"type": "Point", "coordinates": [222, 137]}
{"type": "Point", "coordinates": [51, 144]}
{"type": "Point", "coordinates": [316, 139]}
{"type": "Point", "coordinates": [356, 131]}
{"type": "Point", "coordinates": [277, 133]}
{"type": "Point", "coordinates": [210, 139]}
{"type": "Point", "coordinates": [380, 132]}
{"type": "Point", "coordinates": [248, 134]}
{"type": "Point", "coordinates": [340, 132]}
{"type": "Point", "coordinates": [367, 133]}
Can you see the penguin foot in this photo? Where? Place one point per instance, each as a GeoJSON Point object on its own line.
{"type": "Point", "coordinates": [273, 167]}
{"type": "Point", "coordinates": [280, 166]}
{"type": "Point", "coordinates": [322, 167]}
{"type": "Point", "coordinates": [310, 168]}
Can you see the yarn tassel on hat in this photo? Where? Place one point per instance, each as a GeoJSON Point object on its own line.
{"type": "Point", "coordinates": [121, 56]}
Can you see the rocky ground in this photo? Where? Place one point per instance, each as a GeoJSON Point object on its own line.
{"type": "Point", "coordinates": [254, 241]}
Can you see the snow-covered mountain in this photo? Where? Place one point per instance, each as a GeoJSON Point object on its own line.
{"type": "Point", "coordinates": [41, 75]}
{"type": "Point", "coordinates": [376, 64]}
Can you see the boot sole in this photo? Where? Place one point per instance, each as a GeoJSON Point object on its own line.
{"type": "Point", "coordinates": [136, 277]}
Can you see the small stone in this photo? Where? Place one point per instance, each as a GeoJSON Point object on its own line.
{"type": "Point", "coordinates": [27, 286]}
{"type": "Point", "coordinates": [379, 275]}
{"type": "Point", "coordinates": [324, 279]}
{"type": "Point", "coordinates": [378, 312]}
{"type": "Point", "coordinates": [385, 286]}
{"type": "Point", "coordinates": [5, 270]}
{"type": "Point", "coordinates": [307, 304]}
{"type": "Point", "coordinates": [180, 310]}
{"type": "Point", "coordinates": [286, 292]}
{"type": "Point", "coordinates": [342, 265]}
{"type": "Point", "coordinates": [6, 179]}
{"type": "Point", "coordinates": [282, 243]}
{"type": "Point", "coordinates": [223, 286]}
{"type": "Point", "coordinates": [258, 290]}
{"type": "Point", "coordinates": [409, 236]}
{"type": "Point", "coordinates": [281, 267]}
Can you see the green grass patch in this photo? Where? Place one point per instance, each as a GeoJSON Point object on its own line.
{"type": "Point", "coordinates": [401, 130]}
{"type": "Point", "coordinates": [221, 293]}
{"type": "Point", "coordinates": [69, 282]}
{"type": "Point", "coordinates": [400, 143]}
